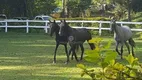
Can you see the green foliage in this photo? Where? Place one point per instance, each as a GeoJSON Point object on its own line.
{"type": "Point", "coordinates": [72, 8]}
{"type": "Point", "coordinates": [120, 12]}
{"type": "Point", "coordinates": [139, 35]}
{"type": "Point", "coordinates": [110, 69]}
{"type": "Point", "coordinates": [136, 5]}
{"type": "Point", "coordinates": [88, 24]}
{"type": "Point", "coordinates": [44, 6]}
{"type": "Point", "coordinates": [59, 3]}
{"type": "Point", "coordinates": [75, 8]}
{"type": "Point", "coordinates": [136, 17]}
{"type": "Point", "coordinates": [89, 18]}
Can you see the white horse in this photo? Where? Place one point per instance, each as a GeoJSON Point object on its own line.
{"type": "Point", "coordinates": [122, 34]}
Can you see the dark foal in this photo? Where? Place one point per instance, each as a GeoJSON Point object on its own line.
{"type": "Point", "coordinates": [63, 40]}
{"type": "Point", "coordinates": [76, 37]}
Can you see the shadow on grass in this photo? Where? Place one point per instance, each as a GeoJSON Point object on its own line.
{"type": "Point", "coordinates": [28, 75]}
{"type": "Point", "coordinates": [37, 68]}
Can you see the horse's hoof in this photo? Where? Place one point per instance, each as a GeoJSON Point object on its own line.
{"type": "Point", "coordinates": [121, 57]}
{"type": "Point", "coordinates": [71, 58]}
{"type": "Point", "coordinates": [54, 62]}
{"type": "Point", "coordinates": [77, 60]}
{"type": "Point", "coordinates": [66, 62]}
{"type": "Point", "coordinates": [119, 54]}
{"type": "Point", "coordinates": [81, 59]}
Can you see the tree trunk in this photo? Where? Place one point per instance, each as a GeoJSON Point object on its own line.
{"type": "Point", "coordinates": [129, 10]}
{"type": "Point", "coordinates": [63, 4]}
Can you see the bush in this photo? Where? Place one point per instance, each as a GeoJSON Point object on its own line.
{"type": "Point", "coordinates": [89, 18]}
{"type": "Point", "coordinates": [110, 69]}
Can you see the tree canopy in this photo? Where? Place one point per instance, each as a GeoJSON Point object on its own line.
{"type": "Point", "coordinates": [71, 8]}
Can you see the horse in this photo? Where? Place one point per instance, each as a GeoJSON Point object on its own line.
{"type": "Point", "coordinates": [76, 37]}
{"type": "Point", "coordinates": [63, 40]}
{"type": "Point", "coordinates": [122, 34]}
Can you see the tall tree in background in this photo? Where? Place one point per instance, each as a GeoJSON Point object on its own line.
{"type": "Point", "coordinates": [129, 9]}
{"type": "Point", "coordinates": [13, 8]}
{"type": "Point", "coordinates": [83, 5]}
{"type": "Point", "coordinates": [76, 8]}
{"type": "Point", "coordinates": [44, 6]}
{"type": "Point", "coordinates": [29, 8]}
{"type": "Point", "coordinates": [124, 4]}
{"type": "Point", "coordinates": [136, 5]}
{"type": "Point", "coordinates": [72, 8]}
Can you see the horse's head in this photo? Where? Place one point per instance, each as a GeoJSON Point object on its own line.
{"type": "Point", "coordinates": [63, 28]}
{"type": "Point", "coordinates": [112, 25]}
{"type": "Point", "coordinates": [53, 27]}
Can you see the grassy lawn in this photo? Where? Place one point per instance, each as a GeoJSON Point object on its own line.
{"type": "Point", "coordinates": [29, 57]}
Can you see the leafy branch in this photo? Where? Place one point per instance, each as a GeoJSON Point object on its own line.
{"type": "Point", "coordinates": [110, 69]}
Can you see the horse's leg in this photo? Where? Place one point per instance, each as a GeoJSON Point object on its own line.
{"type": "Point", "coordinates": [57, 44]}
{"type": "Point", "coordinates": [74, 53]}
{"type": "Point", "coordinates": [117, 44]}
{"type": "Point", "coordinates": [122, 51]}
{"type": "Point", "coordinates": [82, 49]}
{"type": "Point", "coordinates": [127, 45]}
{"type": "Point", "coordinates": [71, 53]}
{"type": "Point", "coordinates": [66, 50]}
{"type": "Point", "coordinates": [71, 50]}
{"type": "Point", "coordinates": [132, 43]}
{"type": "Point", "coordinates": [133, 51]}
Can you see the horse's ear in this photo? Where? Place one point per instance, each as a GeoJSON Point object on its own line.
{"type": "Point", "coordinates": [49, 21]}
{"type": "Point", "coordinates": [113, 19]}
{"type": "Point", "coordinates": [64, 20]}
{"type": "Point", "coordinates": [54, 21]}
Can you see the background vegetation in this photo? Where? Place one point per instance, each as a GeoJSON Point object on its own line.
{"type": "Point", "coordinates": [122, 9]}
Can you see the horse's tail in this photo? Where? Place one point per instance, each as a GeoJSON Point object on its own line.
{"type": "Point", "coordinates": [92, 45]}
{"type": "Point", "coordinates": [132, 42]}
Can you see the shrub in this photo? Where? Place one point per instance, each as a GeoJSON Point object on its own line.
{"type": "Point", "coordinates": [110, 69]}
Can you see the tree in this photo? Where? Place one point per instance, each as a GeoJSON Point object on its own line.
{"type": "Point", "coordinates": [125, 4]}
{"type": "Point", "coordinates": [44, 6]}
{"type": "Point", "coordinates": [129, 9]}
{"type": "Point", "coordinates": [77, 8]}
{"type": "Point", "coordinates": [72, 8]}
{"type": "Point", "coordinates": [136, 5]}
{"type": "Point", "coordinates": [14, 8]}
{"type": "Point", "coordinates": [83, 5]}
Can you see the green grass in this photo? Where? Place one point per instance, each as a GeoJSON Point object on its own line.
{"type": "Point", "coordinates": [30, 56]}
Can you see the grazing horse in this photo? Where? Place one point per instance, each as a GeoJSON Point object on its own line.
{"type": "Point", "coordinates": [76, 37]}
{"type": "Point", "coordinates": [122, 34]}
{"type": "Point", "coordinates": [54, 28]}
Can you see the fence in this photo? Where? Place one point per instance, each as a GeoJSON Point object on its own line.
{"type": "Point", "coordinates": [27, 24]}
